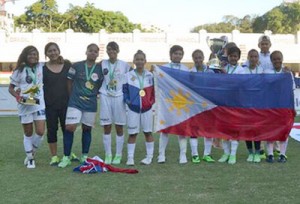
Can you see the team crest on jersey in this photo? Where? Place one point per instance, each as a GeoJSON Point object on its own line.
{"type": "Point", "coordinates": [105, 71]}
{"type": "Point", "coordinates": [28, 79]}
{"type": "Point", "coordinates": [72, 71]}
{"type": "Point", "coordinates": [132, 78]}
{"type": "Point", "coordinates": [94, 77]}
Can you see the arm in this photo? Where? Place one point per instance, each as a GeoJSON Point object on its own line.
{"type": "Point", "coordinates": [70, 86]}
{"type": "Point", "coordinates": [14, 93]}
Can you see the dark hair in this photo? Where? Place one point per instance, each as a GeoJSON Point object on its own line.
{"type": "Point", "coordinates": [234, 50]}
{"type": "Point", "coordinates": [276, 52]}
{"type": "Point", "coordinates": [48, 45]}
{"type": "Point", "coordinates": [175, 48]}
{"type": "Point", "coordinates": [91, 45]}
{"type": "Point", "coordinates": [230, 45]}
{"type": "Point", "coordinates": [252, 50]}
{"type": "Point", "coordinates": [113, 45]}
{"type": "Point", "coordinates": [197, 51]}
{"type": "Point", "coordinates": [22, 60]}
{"type": "Point", "coordinates": [139, 52]}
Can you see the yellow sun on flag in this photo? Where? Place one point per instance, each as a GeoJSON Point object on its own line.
{"type": "Point", "coordinates": [179, 101]}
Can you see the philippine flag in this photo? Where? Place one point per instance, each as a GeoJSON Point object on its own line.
{"type": "Point", "coordinates": [257, 107]}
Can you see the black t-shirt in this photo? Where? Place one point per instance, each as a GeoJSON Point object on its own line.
{"type": "Point", "coordinates": [55, 87]}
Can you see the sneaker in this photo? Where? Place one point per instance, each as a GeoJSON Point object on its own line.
{"type": "Point", "coordinates": [147, 161]}
{"type": "Point", "coordinates": [276, 153]}
{"type": "Point", "coordinates": [66, 161]}
{"type": "Point", "coordinates": [270, 159]}
{"type": "Point", "coordinates": [108, 159]}
{"type": "Point", "coordinates": [250, 158]}
{"type": "Point", "coordinates": [208, 158]}
{"type": "Point", "coordinates": [232, 159]}
{"type": "Point", "coordinates": [31, 164]}
{"type": "Point", "coordinates": [54, 161]}
{"type": "Point", "coordinates": [256, 158]}
{"type": "Point", "coordinates": [161, 159]}
{"type": "Point", "coordinates": [117, 160]}
{"type": "Point", "coordinates": [130, 161]}
{"type": "Point", "coordinates": [26, 161]}
{"type": "Point", "coordinates": [73, 157]}
{"type": "Point", "coordinates": [196, 159]}
{"type": "Point", "coordinates": [83, 158]}
{"type": "Point", "coordinates": [262, 154]}
{"type": "Point", "coordinates": [224, 158]}
{"type": "Point", "coordinates": [182, 159]}
{"type": "Point", "coordinates": [282, 159]}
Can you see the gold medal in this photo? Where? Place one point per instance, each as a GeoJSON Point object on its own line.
{"type": "Point", "coordinates": [89, 85]}
{"type": "Point", "coordinates": [142, 93]}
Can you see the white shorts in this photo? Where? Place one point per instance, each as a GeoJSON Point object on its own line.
{"type": "Point", "coordinates": [140, 120]}
{"type": "Point", "coordinates": [75, 116]}
{"type": "Point", "coordinates": [112, 110]}
{"type": "Point", "coordinates": [29, 118]}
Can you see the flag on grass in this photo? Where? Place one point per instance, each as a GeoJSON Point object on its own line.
{"type": "Point", "coordinates": [236, 106]}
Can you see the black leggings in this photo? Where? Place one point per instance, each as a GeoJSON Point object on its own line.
{"type": "Point", "coordinates": [249, 145]}
{"type": "Point", "coordinates": [54, 116]}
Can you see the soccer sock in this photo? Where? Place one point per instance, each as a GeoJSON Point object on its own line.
{"type": "Point", "coordinates": [194, 146]}
{"type": "Point", "coordinates": [163, 142]}
{"type": "Point", "coordinates": [182, 144]}
{"type": "Point", "coordinates": [257, 147]}
{"type": "Point", "coordinates": [270, 147]}
{"type": "Point", "coordinates": [234, 146]}
{"type": "Point", "coordinates": [119, 145]}
{"type": "Point", "coordinates": [283, 147]}
{"type": "Point", "coordinates": [226, 146]}
{"type": "Point", "coordinates": [68, 142]}
{"type": "Point", "coordinates": [249, 147]}
{"type": "Point", "coordinates": [28, 146]}
{"type": "Point", "coordinates": [207, 145]}
{"type": "Point", "coordinates": [86, 140]}
{"type": "Point", "coordinates": [130, 150]}
{"type": "Point", "coordinates": [149, 149]}
{"type": "Point", "coordinates": [107, 144]}
{"type": "Point", "coordinates": [36, 141]}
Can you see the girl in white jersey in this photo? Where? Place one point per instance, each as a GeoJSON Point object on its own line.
{"type": "Point", "coordinates": [230, 146]}
{"type": "Point", "coordinates": [112, 108]}
{"type": "Point", "coordinates": [176, 55]}
{"type": "Point", "coordinates": [29, 74]}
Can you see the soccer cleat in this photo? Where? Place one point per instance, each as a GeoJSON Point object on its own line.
{"type": "Point", "coordinates": [250, 158]}
{"type": "Point", "coordinates": [270, 159]}
{"type": "Point", "coordinates": [232, 159]}
{"type": "Point", "coordinates": [282, 159]}
{"type": "Point", "coordinates": [224, 158]}
{"type": "Point", "coordinates": [256, 158]}
{"type": "Point", "coordinates": [31, 164]}
{"type": "Point", "coordinates": [276, 153]}
{"type": "Point", "coordinates": [196, 159]}
{"type": "Point", "coordinates": [54, 161]}
{"type": "Point", "coordinates": [130, 161]}
{"type": "Point", "coordinates": [161, 159]}
{"type": "Point", "coordinates": [108, 159]}
{"type": "Point", "coordinates": [262, 154]}
{"type": "Point", "coordinates": [26, 161]}
{"type": "Point", "coordinates": [208, 158]}
{"type": "Point", "coordinates": [64, 162]}
{"type": "Point", "coordinates": [117, 160]}
{"type": "Point", "coordinates": [147, 161]}
{"type": "Point", "coordinates": [182, 159]}
{"type": "Point", "coordinates": [73, 157]}
{"type": "Point", "coordinates": [83, 158]}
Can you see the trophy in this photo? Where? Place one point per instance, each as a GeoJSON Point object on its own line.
{"type": "Point", "coordinates": [215, 45]}
{"type": "Point", "coordinates": [31, 99]}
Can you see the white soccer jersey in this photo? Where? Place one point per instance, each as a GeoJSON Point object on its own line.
{"type": "Point", "coordinates": [178, 66]}
{"type": "Point", "coordinates": [265, 61]}
{"type": "Point", "coordinates": [236, 69]}
{"type": "Point", "coordinates": [114, 77]}
{"type": "Point", "coordinates": [19, 80]}
{"type": "Point", "coordinates": [205, 70]}
{"type": "Point", "coordinates": [258, 70]}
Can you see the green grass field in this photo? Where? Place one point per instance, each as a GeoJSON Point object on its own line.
{"type": "Point", "coordinates": [157, 183]}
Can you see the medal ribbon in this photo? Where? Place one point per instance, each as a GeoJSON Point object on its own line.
{"type": "Point", "coordinates": [255, 70]}
{"type": "Point", "coordinates": [173, 65]}
{"type": "Point", "coordinates": [33, 74]}
{"type": "Point", "coordinates": [232, 70]}
{"type": "Point", "coordinates": [87, 74]}
{"type": "Point", "coordinates": [112, 71]}
{"type": "Point", "coordinates": [141, 82]}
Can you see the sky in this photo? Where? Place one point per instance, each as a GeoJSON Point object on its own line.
{"type": "Point", "coordinates": [172, 15]}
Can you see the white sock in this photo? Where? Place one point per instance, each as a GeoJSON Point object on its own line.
{"type": "Point", "coordinates": [36, 141]}
{"type": "Point", "coordinates": [163, 142]}
{"type": "Point", "coordinates": [182, 144]}
{"type": "Point", "coordinates": [270, 148]}
{"type": "Point", "coordinates": [234, 146]}
{"type": "Point", "coordinates": [28, 146]}
{"type": "Point", "coordinates": [283, 146]}
{"type": "Point", "coordinates": [149, 149]}
{"type": "Point", "coordinates": [119, 145]}
{"type": "Point", "coordinates": [107, 144]}
{"type": "Point", "coordinates": [226, 146]}
{"type": "Point", "coordinates": [207, 145]}
{"type": "Point", "coordinates": [194, 146]}
{"type": "Point", "coordinates": [130, 150]}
